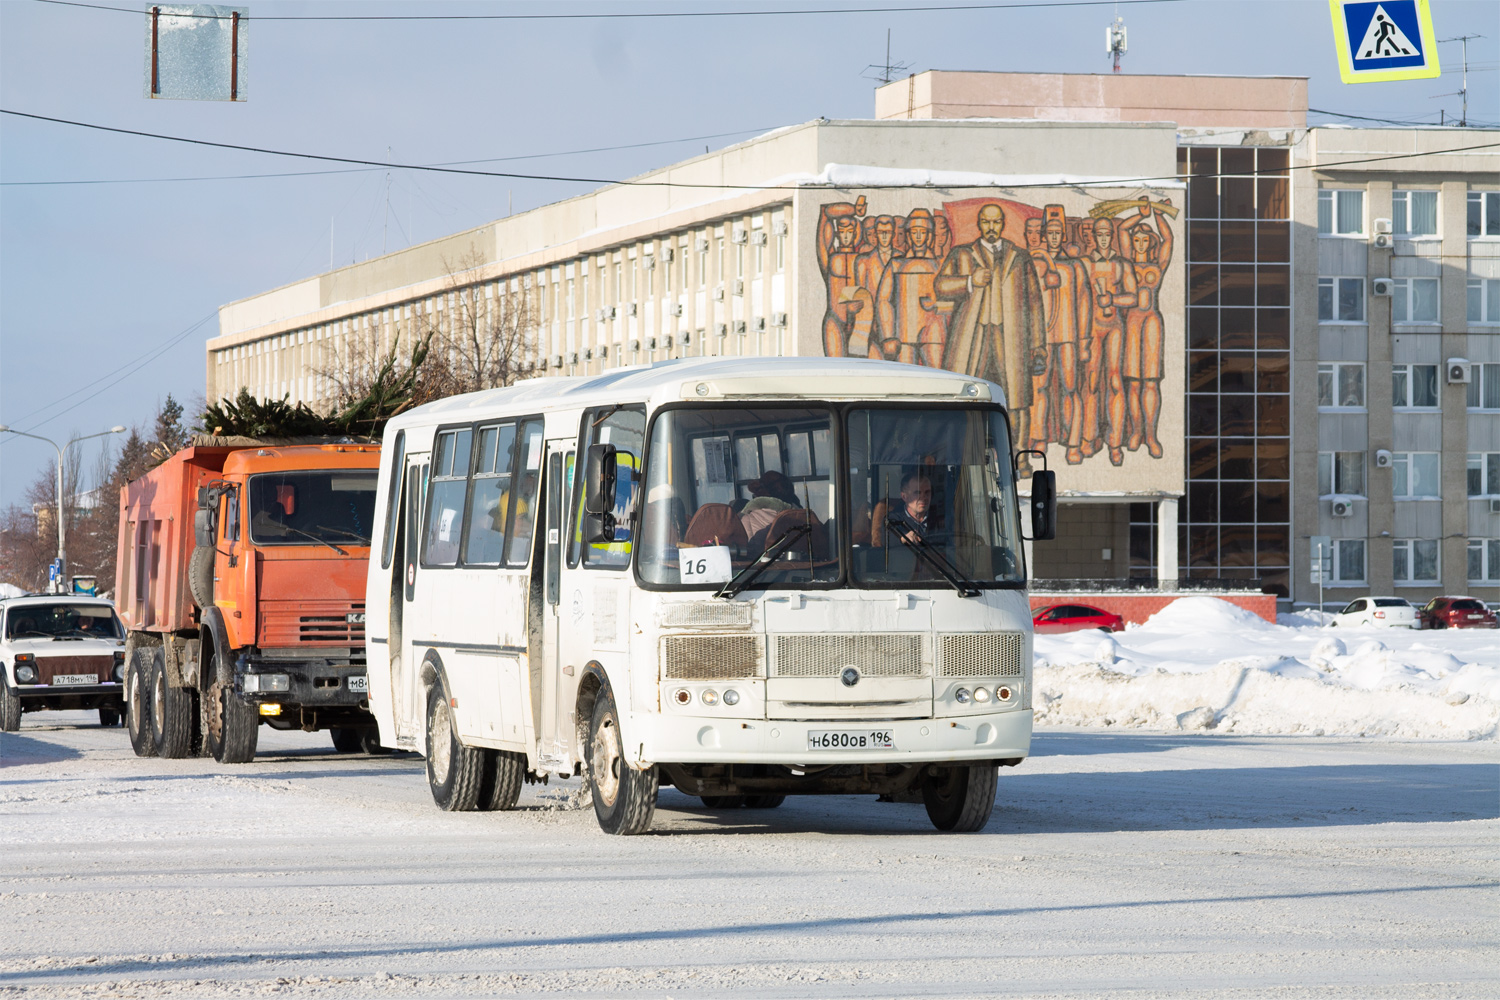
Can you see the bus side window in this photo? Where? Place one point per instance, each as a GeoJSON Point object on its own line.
{"type": "Point", "coordinates": [529, 467]}
{"type": "Point", "coordinates": [625, 428]}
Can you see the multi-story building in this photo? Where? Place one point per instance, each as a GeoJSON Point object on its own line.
{"type": "Point", "coordinates": [1208, 395]}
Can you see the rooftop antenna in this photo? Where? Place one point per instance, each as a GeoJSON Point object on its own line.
{"type": "Point", "coordinates": [1463, 121]}
{"type": "Point", "coordinates": [887, 71]}
{"type": "Point", "coordinates": [1114, 40]}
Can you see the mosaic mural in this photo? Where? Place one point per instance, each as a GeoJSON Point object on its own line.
{"type": "Point", "coordinates": [1061, 310]}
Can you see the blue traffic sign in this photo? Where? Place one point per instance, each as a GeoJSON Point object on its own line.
{"type": "Point", "coordinates": [1380, 40]}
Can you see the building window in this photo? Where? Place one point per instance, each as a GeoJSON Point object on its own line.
{"type": "Point", "coordinates": [1415, 475]}
{"type": "Point", "coordinates": [1341, 300]}
{"type": "Point", "coordinates": [1349, 560]}
{"type": "Point", "coordinates": [1483, 473]}
{"type": "Point", "coordinates": [1414, 300]}
{"type": "Point", "coordinates": [1414, 560]}
{"type": "Point", "coordinates": [1484, 300]}
{"type": "Point", "coordinates": [1341, 213]}
{"type": "Point", "coordinates": [1484, 387]}
{"type": "Point", "coordinates": [1484, 213]}
{"type": "Point", "coordinates": [1341, 384]}
{"type": "Point", "coordinates": [780, 252]}
{"type": "Point", "coordinates": [1414, 213]}
{"type": "Point", "coordinates": [1484, 560]}
{"type": "Point", "coordinates": [1341, 473]}
{"type": "Point", "coordinates": [1414, 386]}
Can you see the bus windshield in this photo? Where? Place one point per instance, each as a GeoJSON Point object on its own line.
{"type": "Point", "coordinates": [308, 508]}
{"type": "Point", "coordinates": [729, 484]}
{"type": "Point", "coordinates": [932, 498]}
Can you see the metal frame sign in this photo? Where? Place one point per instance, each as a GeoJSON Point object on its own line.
{"type": "Point", "coordinates": [196, 52]}
{"type": "Point", "coordinates": [1382, 40]}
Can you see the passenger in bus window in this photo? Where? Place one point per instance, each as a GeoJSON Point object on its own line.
{"type": "Point", "coordinates": [520, 538]}
{"type": "Point", "coordinates": [918, 514]}
{"type": "Point", "coordinates": [769, 495]}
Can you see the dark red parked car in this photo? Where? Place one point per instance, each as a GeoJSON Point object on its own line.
{"type": "Point", "coordinates": [1456, 612]}
{"type": "Point", "coordinates": [1075, 618]}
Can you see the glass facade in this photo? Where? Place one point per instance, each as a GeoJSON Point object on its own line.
{"type": "Point", "coordinates": [1236, 521]}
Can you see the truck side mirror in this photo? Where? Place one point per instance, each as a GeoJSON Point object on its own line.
{"type": "Point", "coordinates": [600, 471]}
{"type": "Point", "coordinates": [204, 526]}
{"type": "Point", "coordinates": [1043, 505]}
{"type": "Point", "coordinates": [206, 497]}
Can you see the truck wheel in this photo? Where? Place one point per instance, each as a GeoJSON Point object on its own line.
{"type": "Point", "coordinates": [504, 771]}
{"type": "Point", "coordinates": [369, 742]}
{"type": "Point", "coordinates": [454, 772]}
{"type": "Point", "coordinates": [109, 718]}
{"type": "Point", "coordinates": [960, 798]}
{"type": "Point", "coordinates": [724, 801]}
{"type": "Point", "coordinates": [346, 740]}
{"type": "Point", "coordinates": [10, 707]}
{"type": "Point", "coordinates": [233, 725]}
{"type": "Point", "coordinates": [171, 711]}
{"type": "Point", "coordinates": [763, 801]}
{"type": "Point", "coordinates": [624, 798]}
{"type": "Point", "coordinates": [138, 702]}
{"type": "Point", "coordinates": [201, 575]}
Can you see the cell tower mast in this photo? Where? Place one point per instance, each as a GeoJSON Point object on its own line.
{"type": "Point", "coordinates": [1114, 41]}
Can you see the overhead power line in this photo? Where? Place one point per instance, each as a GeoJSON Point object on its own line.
{"type": "Point", "coordinates": [428, 168]}
{"type": "Point", "coordinates": [623, 15]}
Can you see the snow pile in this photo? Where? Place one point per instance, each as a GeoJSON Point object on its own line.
{"type": "Point", "coordinates": [1203, 663]}
{"type": "Point", "coordinates": [10, 590]}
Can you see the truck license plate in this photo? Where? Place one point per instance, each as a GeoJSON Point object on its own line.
{"type": "Point", "coordinates": [857, 739]}
{"type": "Point", "coordinates": [359, 683]}
{"type": "Point", "coordinates": [62, 680]}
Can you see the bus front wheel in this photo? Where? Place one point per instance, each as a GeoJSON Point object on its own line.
{"type": "Point", "coordinates": [960, 798]}
{"type": "Point", "coordinates": [624, 798]}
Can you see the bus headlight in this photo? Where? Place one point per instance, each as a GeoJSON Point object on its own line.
{"type": "Point", "coordinates": [682, 696]}
{"type": "Point", "coordinates": [981, 694]}
{"type": "Point", "coordinates": [731, 697]}
{"type": "Point", "coordinates": [1004, 693]}
{"type": "Point", "coordinates": [710, 696]}
{"type": "Point", "coordinates": [962, 696]}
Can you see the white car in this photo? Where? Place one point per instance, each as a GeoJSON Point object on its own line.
{"type": "Point", "coordinates": [60, 651]}
{"type": "Point", "coordinates": [1381, 612]}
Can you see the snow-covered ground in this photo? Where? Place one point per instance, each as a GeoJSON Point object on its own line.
{"type": "Point", "coordinates": [1202, 663]}
{"type": "Point", "coordinates": [1122, 864]}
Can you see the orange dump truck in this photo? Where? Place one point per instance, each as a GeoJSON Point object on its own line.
{"type": "Point", "coordinates": [241, 582]}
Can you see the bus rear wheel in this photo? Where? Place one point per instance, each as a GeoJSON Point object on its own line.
{"type": "Point", "coordinates": [960, 798]}
{"type": "Point", "coordinates": [455, 772]}
{"type": "Point", "coordinates": [624, 797]}
{"type": "Point", "coordinates": [500, 786]}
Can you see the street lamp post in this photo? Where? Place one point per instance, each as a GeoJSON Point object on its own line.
{"type": "Point", "coordinates": [62, 521]}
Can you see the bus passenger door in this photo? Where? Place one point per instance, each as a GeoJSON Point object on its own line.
{"type": "Point", "coordinates": [546, 669]}
{"type": "Point", "coordinates": [406, 675]}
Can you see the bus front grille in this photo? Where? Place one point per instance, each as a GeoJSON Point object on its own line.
{"type": "Point", "coordinates": [984, 654]}
{"type": "Point", "coordinates": [711, 657]}
{"type": "Point", "coordinates": [706, 614]}
{"type": "Point", "coordinates": [872, 654]}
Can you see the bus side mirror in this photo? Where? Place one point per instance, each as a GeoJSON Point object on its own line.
{"type": "Point", "coordinates": [600, 471]}
{"type": "Point", "coordinates": [1043, 505]}
{"type": "Point", "coordinates": [203, 526]}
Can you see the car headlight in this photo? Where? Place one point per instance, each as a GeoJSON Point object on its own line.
{"type": "Point", "coordinates": [25, 673]}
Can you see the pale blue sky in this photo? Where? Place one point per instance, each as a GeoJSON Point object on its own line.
{"type": "Point", "coordinates": [95, 277]}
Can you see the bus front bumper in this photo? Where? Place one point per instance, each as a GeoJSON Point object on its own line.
{"type": "Point", "coordinates": [998, 736]}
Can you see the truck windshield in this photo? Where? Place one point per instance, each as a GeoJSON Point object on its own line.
{"type": "Point", "coordinates": [316, 507]}
{"type": "Point", "coordinates": [932, 498]}
{"type": "Point", "coordinates": [727, 484]}
{"type": "Point", "coordinates": [68, 621]}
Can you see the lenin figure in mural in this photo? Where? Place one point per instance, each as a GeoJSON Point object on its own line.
{"type": "Point", "coordinates": [998, 330]}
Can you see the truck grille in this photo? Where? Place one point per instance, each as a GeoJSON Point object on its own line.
{"type": "Point", "coordinates": [313, 623]}
{"type": "Point", "coordinates": [985, 654]}
{"type": "Point", "coordinates": [873, 655]}
{"type": "Point", "coordinates": [711, 657]}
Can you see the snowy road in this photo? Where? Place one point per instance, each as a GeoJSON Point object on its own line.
{"type": "Point", "coordinates": [1136, 863]}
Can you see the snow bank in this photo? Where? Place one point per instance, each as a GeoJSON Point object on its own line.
{"type": "Point", "coordinates": [1202, 663]}
{"type": "Point", "coordinates": [10, 590]}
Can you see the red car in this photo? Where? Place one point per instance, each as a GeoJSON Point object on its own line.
{"type": "Point", "coordinates": [1075, 618]}
{"type": "Point", "coordinates": [1456, 612]}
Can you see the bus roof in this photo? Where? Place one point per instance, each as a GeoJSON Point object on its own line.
{"type": "Point", "coordinates": [714, 379]}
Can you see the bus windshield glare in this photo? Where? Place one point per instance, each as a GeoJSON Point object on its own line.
{"type": "Point", "coordinates": [930, 498]}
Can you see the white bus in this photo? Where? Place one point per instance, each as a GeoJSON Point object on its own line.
{"type": "Point", "coordinates": [746, 578]}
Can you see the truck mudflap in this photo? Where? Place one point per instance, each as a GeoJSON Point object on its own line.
{"type": "Point", "coordinates": [309, 693]}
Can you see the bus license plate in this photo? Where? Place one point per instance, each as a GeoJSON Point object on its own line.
{"type": "Point", "coordinates": [359, 683]}
{"type": "Point", "coordinates": [62, 680]}
{"type": "Point", "coordinates": [858, 739]}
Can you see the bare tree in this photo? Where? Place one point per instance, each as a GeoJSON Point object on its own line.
{"type": "Point", "coordinates": [483, 338]}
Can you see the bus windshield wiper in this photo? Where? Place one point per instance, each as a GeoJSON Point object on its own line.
{"type": "Point", "coordinates": [747, 576]}
{"type": "Point", "coordinates": [900, 527]}
{"type": "Point", "coordinates": [309, 534]}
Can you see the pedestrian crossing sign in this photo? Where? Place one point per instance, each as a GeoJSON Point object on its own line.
{"type": "Point", "coordinates": [1379, 40]}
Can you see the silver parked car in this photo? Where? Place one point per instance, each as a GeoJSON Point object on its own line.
{"type": "Point", "coordinates": [1381, 612]}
